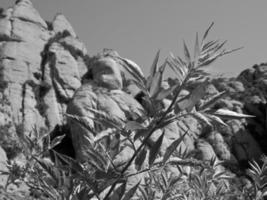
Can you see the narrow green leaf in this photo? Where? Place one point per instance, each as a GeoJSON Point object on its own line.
{"type": "Point", "coordinates": [177, 69]}
{"type": "Point", "coordinates": [140, 86]}
{"type": "Point", "coordinates": [165, 93]}
{"type": "Point", "coordinates": [29, 142]}
{"type": "Point", "coordinates": [73, 164]}
{"type": "Point", "coordinates": [200, 116]}
{"type": "Point", "coordinates": [256, 168]}
{"type": "Point", "coordinates": [167, 122]}
{"type": "Point", "coordinates": [209, 60]}
{"type": "Point", "coordinates": [212, 100]}
{"type": "Point", "coordinates": [164, 180]}
{"type": "Point", "coordinates": [154, 66]}
{"type": "Point", "coordinates": [172, 65]}
{"type": "Point", "coordinates": [197, 94]}
{"type": "Point", "coordinates": [144, 193]}
{"type": "Point", "coordinates": [155, 149]}
{"type": "Point", "coordinates": [98, 117]}
{"type": "Point", "coordinates": [163, 66]}
{"type": "Point", "coordinates": [207, 32]}
{"type": "Point", "coordinates": [156, 84]}
{"type": "Point", "coordinates": [133, 125]}
{"type": "Point", "coordinates": [173, 147]}
{"type": "Point", "coordinates": [207, 46]}
{"type": "Point", "coordinates": [227, 114]}
{"type": "Point", "coordinates": [140, 159]}
{"type": "Point", "coordinates": [96, 159]}
{"type": "Point", "coordinates": [49, 168]}
{"type": "Point", "coordinates": [103, 134]}
{"type": "Point", "coordinates": [231, 51]}
{"type": "Point", "coordinates": [187, 54]}
{"type": "Point", "coordinates": [57, 140]}
{"type": "Point", "coordinates": [132, 68]}
{"type": "Point", "coordinates": [196, 51]}
{"type": "Point", "coordinates": [128, 195]}
{"type": "Point", "coordinates": [217, 120]}
{"type": "Point", "coordinates": [120, 190]}
{"type": "Point", "coordinates": [217, 174]}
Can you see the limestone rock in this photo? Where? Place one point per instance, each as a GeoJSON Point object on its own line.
{"type": "Point", "coordinates": [96, 94]}
{"type": "Point", "coordinates": [38, 75]}
{"type": "Point", "coordinates": [60, 24]}
{"type": "Point", "coordinates": [24, 10]}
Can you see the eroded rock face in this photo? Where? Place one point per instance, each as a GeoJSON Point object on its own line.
{"type": "Point", "coordinates": [102, 95]}
{"type": "Point", "coordinates": [247, 94]}
{"type": "Point", "coordinates": [41, 66]}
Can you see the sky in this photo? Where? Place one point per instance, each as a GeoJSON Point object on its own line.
{"type": "Point", "coordinates": [138, 28]}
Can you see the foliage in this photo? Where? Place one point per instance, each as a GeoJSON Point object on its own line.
{"type": "Point", "coordinates": [171, 175]}
{"type": "Point", "coordinates": [259, 176]}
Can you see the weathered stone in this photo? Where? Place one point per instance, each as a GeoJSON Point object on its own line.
{"type": "Point", "coordinates": [75, 46]}
{"type": "Point", "coordinates": [29, 32]}
{"type": "Point", "coordinates": [36, 84]}
{"type": "Point", "coordinates": [205, 150]}
{"type": "Point", "coordinates": [102, 93]}
{"type": "Point", "coordinates": [60, 24]}
{"type": "Point", "coordinates": [5, 29]}
{"type": "Point", "coordinates": [24, 10]}
{"type": "Point", "coordinates": [65, 72]}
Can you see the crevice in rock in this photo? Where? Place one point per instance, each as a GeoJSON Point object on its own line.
{"type": "Point", "coordinates": [31, 21]}
{"type": "Point", "coordinates": [12, 35]}
{"type": "Point", "coordinates": [76, 53]}
{"type": "Point", "coordinates": [49, 57]}
{"type": "Point", "coordinates": [5, 38]}
{"type": "Point", "coordinates": [2, 10]}
{"type": "Point", "coordinates": [3, 83]}
{"type": "Point", "coordinates": [23, 101]}
{"type": "Point", "coordinates": [46, 54]}
{"type": "Point", "coordinates": [56, 80]}
{"type": "Point", "coordinates": [49, 25]}
{"type": "Point", "coordinates": [7, 58]}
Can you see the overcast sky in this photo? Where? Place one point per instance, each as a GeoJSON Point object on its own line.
{"type": "Point", "coordinates": [138, 28]}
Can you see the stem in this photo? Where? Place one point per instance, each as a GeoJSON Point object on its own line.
{"type": "Point", "coordinates": [7, 183]}
{"type": "Point", "coordinates": [156, 126]}
{"type": "Point", "coordinates": [130, 161]}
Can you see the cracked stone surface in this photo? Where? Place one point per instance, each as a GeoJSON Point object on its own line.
{"type": "Point", "coordinates": [40, 68]}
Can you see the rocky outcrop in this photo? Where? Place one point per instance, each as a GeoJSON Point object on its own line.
{"type": "Point", "coordinates": [41, 65]}
{"type": "Point", "coordinates": [246, 94]}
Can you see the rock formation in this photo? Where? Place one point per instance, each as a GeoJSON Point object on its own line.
{"type": "Point", "coordinates": [41, 68]}
{"type": "Point", "coordinates": [41, 65]}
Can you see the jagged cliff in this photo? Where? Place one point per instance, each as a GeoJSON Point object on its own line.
{"type": "Point", "coordinates": [42, 64]}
